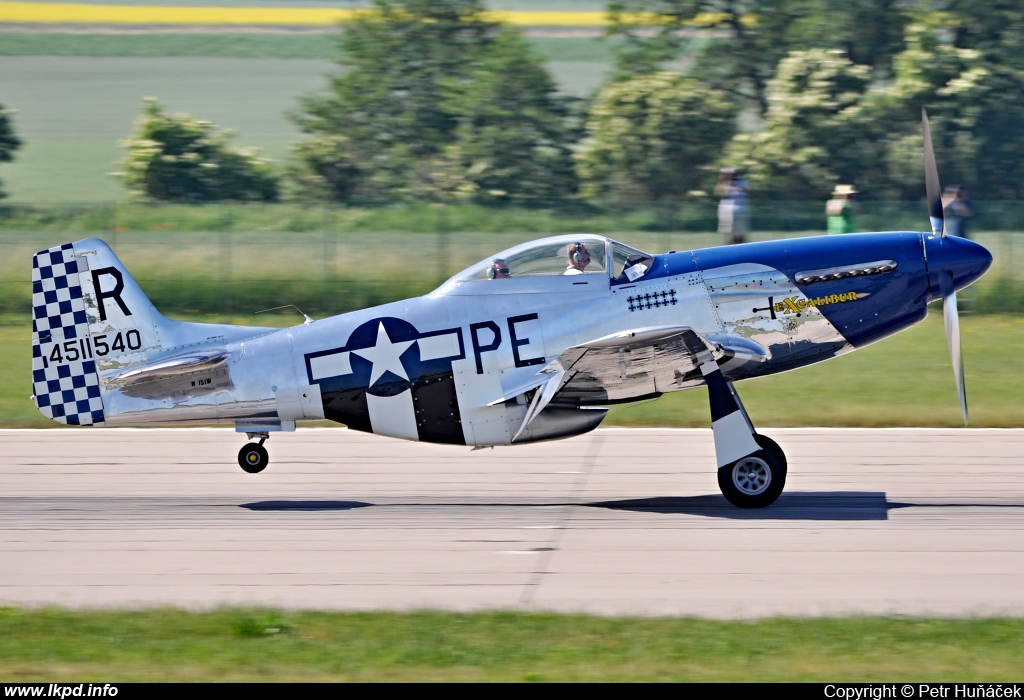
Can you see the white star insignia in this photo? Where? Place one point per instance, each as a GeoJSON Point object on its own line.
{"type": "Point", "coordinates": [385, 356]}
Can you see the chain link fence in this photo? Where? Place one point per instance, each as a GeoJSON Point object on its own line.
{"type": "Point", "coordinates": [235, 274]}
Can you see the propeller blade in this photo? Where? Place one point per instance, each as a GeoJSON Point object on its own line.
{"type": "Point", "coordinates": [951, 318]}
{"type": "Point", "coordinates": [931, 180]}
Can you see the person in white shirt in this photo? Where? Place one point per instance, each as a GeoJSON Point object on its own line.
{"type": "Point", "coordinates": [579, 258]}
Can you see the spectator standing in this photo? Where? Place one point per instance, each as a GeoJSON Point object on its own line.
{"type": "Point", "coordinates": [957, 209]}
{"type": "Point", "coordinates": [733, 218]}
{"type": "Point", "coordinates": [840, 209]}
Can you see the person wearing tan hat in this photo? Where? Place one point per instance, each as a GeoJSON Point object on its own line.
{"type": "Point", "coordinates": [840, 209]}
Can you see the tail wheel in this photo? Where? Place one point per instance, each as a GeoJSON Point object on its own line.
{"type": "Point", "coordinates": [253, 458]}
{"type": "Point", "coordinates": [756, 480]}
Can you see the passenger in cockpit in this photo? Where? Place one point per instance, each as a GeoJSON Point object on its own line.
{"type": "Point", "coordinates": [498, 270]}
{"type": "Point", "coordinates": [579, 258]}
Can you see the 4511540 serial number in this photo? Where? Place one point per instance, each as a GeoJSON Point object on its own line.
{"type": "Point", "coordinates": [98, 346]}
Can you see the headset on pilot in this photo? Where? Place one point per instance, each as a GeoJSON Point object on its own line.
{"type": "Point", "coordinates": [579, 258]}
{"type": "Point", "coordinates": [498, 270]}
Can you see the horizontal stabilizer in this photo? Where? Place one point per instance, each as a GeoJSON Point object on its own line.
{"type": "Point", "coordinates": [165, 369]}
{"type": "Point", "coordinates": [179, 376]}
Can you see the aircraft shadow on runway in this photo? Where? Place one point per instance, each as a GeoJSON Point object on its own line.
{"type": "Point", "coordinates": [820, 505]}
{"type": "Point", "coordinates": [305, 505]}
{"type": "Point", "coordinates": [827, 505]}
{"type": "Point", "coordinates": [807, 505]}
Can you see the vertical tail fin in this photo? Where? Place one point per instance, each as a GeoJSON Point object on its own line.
{"type": "Point", "coordinates": [92, 322]}
{"type": "Point", "coordinates": [65, 383]}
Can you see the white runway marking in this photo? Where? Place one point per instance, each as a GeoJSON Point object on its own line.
{"type": "Point", "coordinates": [872, 521]}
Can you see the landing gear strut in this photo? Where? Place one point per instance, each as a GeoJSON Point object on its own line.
{"type": "Point", "coordinates": [253, 456]}
{"type": "Point", "coordinates": [751, 467]}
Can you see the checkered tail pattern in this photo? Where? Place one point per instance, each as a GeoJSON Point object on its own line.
{"type": "Point", "coordinates": [64, 379]}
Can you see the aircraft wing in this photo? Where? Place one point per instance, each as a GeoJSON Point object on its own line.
{"type": "Point", "coordinates": [624, 366]}
{"type": "Point", "coordinates": [631, 364]}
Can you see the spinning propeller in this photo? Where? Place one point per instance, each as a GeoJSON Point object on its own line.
{"type": "Point", "coordinates": [950, 315]}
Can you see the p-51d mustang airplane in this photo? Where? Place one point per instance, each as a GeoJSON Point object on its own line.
{"type": "Point", "coordinates": [528, 345]}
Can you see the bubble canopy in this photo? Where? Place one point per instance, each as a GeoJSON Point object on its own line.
{"type": "Point", "coordinates": [551, 256]}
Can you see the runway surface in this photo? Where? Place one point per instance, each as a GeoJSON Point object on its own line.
{"type": "Point", "coordinates": [614, 522]}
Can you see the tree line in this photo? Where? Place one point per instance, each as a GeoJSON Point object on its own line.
{"type": "Point", "coordinates": [435, 103]}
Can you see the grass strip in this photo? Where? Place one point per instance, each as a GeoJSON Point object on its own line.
{"type": "Point", "coordinates": [804, 217]}
{"type": "Point", "coordinates": [905, 380]}
{"type": "Point", "coordinates": [243, 45]}
{"type": "Point", "coordinates": [303, 217]}
{"type": "Point", "coordinates": [268, 645]}
{"type": "Point", "coordinates": [147, 45]}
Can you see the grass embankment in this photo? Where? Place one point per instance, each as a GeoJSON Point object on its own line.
{"type": "Point", "coordinates": [902, 381]}
{"type": "Point", "coordinates": [244, 645]}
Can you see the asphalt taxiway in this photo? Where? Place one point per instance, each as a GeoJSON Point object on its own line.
{"type": "Point", "coordinates": [614, 522]}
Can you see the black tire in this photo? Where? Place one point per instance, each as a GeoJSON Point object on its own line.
{"type": "Point", "coordinates": [253, 458]}
{"type": "Point", "coordinates": [767, 443]}
{"type": "Point", "coordinates": [756, 480]}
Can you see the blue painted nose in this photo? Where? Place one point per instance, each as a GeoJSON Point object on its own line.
{"type": "Point", "coordinates": [965, 260]}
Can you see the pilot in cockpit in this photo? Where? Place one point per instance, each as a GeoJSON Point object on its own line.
{"type": "Point", "coordinates": [498, 270]}
{"type": "Point", "coordinates": [579, 258]}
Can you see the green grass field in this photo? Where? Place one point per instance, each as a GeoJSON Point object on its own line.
{"type": "Point", "coordinates": [253, 645]}
{"type": "Point", "coordinates": [901, 381]}
{"type": "Point", "coordinates": [245, 82]}
{"type": "Point", "coordinates": [71, 129]}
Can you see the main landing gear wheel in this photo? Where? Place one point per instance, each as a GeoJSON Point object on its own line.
{"type": "Point", "coordinates": [767, 443]}
{"type": "Point", "coordinates": [253, 457]}
{"type": "Point", "coordinates": [756, 480]}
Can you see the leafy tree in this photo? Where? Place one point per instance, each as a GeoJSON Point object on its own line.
{"type": "Point", "coordinates": [740, 42]}
{"type": "Point", "coordinates": [324, 167]}
{"type": "Point", "coordinates": [965, 66]}
{"type": "Point", "coordinates": [840, 87]}
{"type": "Point", "coordinates": [436, 103]}
{"type": "Point", "coordinates": [179, 158]}
{"type": "Point", "coordinates": [819, 131]}
{"type": "Point", "coordinates": [826, 126]}
{"type": "Point", "coordinates": [652, 136]}
{"type": "Point", "coordinates": [9, 143]}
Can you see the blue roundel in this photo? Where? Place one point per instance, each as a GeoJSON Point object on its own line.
{"type": "Point", "coordinates": [385, 357]}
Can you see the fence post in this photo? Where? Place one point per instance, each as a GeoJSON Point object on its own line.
{"type": "Point", "coordinates": [330, 248]}
{"type": "Point", "coordinates": [442, 243]}
{"type": "Point", "coordinates": [225, 273]}
{"type": "Point", "coordinates": [1010, 288]}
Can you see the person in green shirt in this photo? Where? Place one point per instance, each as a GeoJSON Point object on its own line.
{"type": "Point", "coordinates": [840, 209]}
